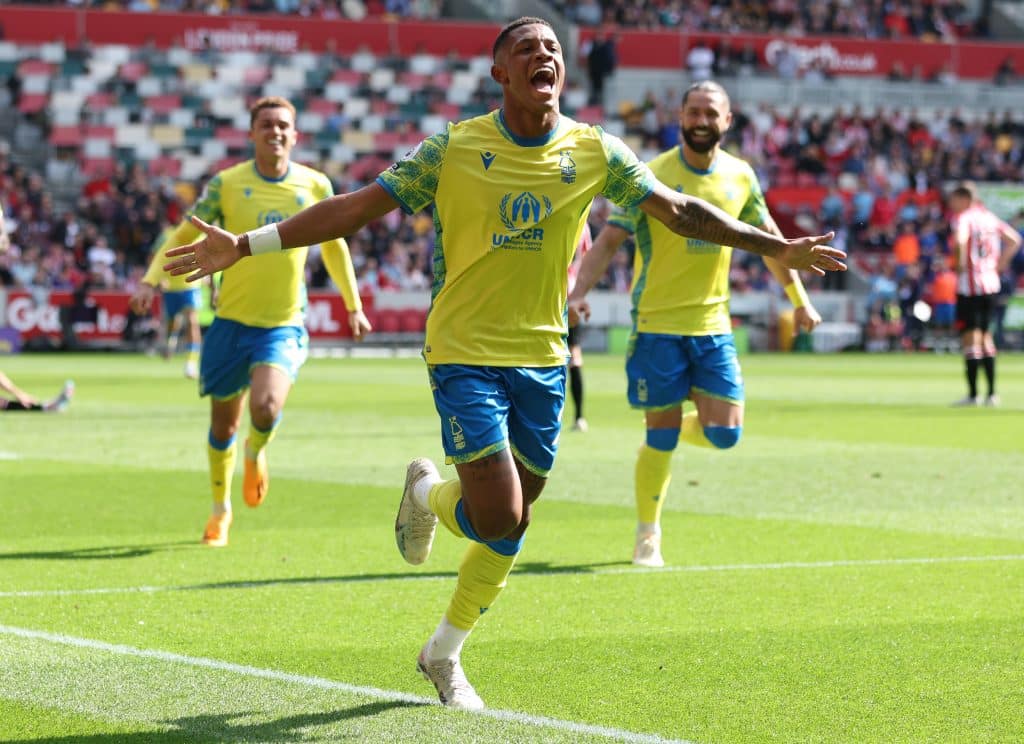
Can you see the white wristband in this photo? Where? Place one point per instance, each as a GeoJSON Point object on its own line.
{"type": "Point", "coordinates": [264, 239]}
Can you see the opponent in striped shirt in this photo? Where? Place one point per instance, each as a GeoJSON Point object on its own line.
{"type": "Point", "coordinates": [983, 246]}
{"type": "Point", "coordinates": [510, 191]}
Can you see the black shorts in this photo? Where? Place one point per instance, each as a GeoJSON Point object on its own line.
{"type": "Point", "coordinates": [974, 312]}
{"type": "Point", "coordinates": [574, 336]}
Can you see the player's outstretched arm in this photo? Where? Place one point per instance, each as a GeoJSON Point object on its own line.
{"type": "Point", "coordinates": [592, 268]}
{"type": "Point", "coordinates": [331, 218]}
{"type": "Point", "coordinates": [695, 218]}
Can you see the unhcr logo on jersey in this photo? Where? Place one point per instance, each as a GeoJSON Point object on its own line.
{"type": "Point", "coordinates": [271, 217]}
{"type": "Point", "coordinates": [520, 214]}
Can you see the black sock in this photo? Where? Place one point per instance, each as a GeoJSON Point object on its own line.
{"type": "Point", "coordinates": [13, 405]}
{"type": "Point", "coordinates": [576, 386]}
{"type": "Point", "coordinates": [972, 376]}
{"type": "Point", "coordinates": [989, 365]}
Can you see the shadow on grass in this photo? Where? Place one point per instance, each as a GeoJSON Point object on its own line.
{"type": "Point", "coordinates": [535, 568]}
{"type": "Point", "coordinates": [107, 552]}
{"type": "Point", "coordinates": [220, 728]}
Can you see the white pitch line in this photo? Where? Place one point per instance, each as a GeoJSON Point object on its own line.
{"type": "Point", "coordinates": [796, 565]}
{"type": "Point", "coordinates": [322, 683]}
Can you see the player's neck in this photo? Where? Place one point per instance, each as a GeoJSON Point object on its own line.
{"type": "Point", "coordinates": [699, 160]}
{"type": "Point", "coordinates": [530, 124]}
{"type": "Point", "coordinates": [272, 168]}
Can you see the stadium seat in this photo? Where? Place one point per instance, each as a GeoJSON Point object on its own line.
{"type": "Point", "coordinates": [412, 320]}
{"type": "Point", "coordinates": [163, 104]}
{"type": "Point", "coordinates": [35, 68]}
{"type": "Point", "coordinates": [66, 136]}
{"type": "Point", "coordinates": [388, 321]}
{"type": "Point", "coordinates": [166, 135]}
{"type": "Point", "coordinates": [93, 168]}
{"type": "Point", "coordinates": [165, 166]}
{"type": "Point", "coordinates": [132, 71]}
{"type": "Point", "coordinates": [236, 139]}
{"type": "Point", "coordinates": [32, 103]}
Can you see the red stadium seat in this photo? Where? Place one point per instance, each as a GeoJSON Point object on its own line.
{"type": "Point", "coordinates": [164, 104]}
{"type": "Point", "coordinates": [233, 138]}
{"type": "Point", "coordinates": [98, 132]}
{"type": "Point", "coordinates": [388, 321]}
{"type": "Point", "coordinates": [350, 77]}
{"type": "Point", "coordinates": [93, 168]}
{"type": "Point", "coordinates": [132, 71]}
{"type": "Point", "coordinates": [35, 67]}
{"type": "Point", "coordinates": [165, 165]}
{"type": "Point", "coordinates": [412, 320]}
{"type": "Point", "coordinates": [66, 137]}
{"type": "Point", "coordinates": [33, 103]}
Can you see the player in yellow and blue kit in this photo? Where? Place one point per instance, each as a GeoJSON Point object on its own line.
{"type": "Point", "coordinates": [181, 302]}
{"type": "Point", "coordinates": [682, 345]}
{"type": "Point", "coordinates": [257, 341]}
{"type": "Point", "coordinates": [510, 192]}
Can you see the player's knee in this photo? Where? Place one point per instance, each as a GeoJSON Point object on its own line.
{"type": "Point", "coordinates": [663, 439]}
{"type": "Point", "coordinates": [496, 524]}
{"type": "Point", "coordinates": [723, 437]}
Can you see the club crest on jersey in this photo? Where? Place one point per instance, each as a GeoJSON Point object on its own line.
{"type": "Point", "coordinates": [520, 214]}
{"type": "Point", "coordinates": [567, 166]}
{"type": "Point", "coordinates": [271, 217]}
{"type": "Point", "coordinates": [487, 158]}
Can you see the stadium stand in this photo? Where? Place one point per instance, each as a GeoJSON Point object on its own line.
{"type": "Point", "coordinates": [109, 142]}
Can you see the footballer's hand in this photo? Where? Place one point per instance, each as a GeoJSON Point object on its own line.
{"type": "Point", "coordinates": [359, 324]}
{"type": "Point", "coordinates": [805, 318]}
{"type": "Point", "coordinates": [812, 254]}
{"type": "Point", "coordinates": [141, 301]}
{"type": "Point", "coordinates": [579, 310]}
{"type": "Point", "coordinates": [216, 252]}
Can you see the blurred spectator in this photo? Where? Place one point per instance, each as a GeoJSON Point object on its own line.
{"type": "Point", "coordinates": [700, 61]}
{"type": "Point", "coordinates": [601, 62]}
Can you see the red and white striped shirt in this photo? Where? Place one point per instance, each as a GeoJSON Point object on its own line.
{"type": "Point", "coordinates": [979, 230]}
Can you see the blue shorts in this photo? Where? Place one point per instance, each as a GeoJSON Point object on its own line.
{"type": "Point", "coordinates": [232, 349]}
{"type": "Point", "coordinates": [663, 369]}
{"type": "Point", "coordinates": [175, 302]}
{"type": "Point", "coordinates": [486, 409]}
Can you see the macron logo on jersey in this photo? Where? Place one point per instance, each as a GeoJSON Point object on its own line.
{"type": "Point", "coordinates": [488, 158]}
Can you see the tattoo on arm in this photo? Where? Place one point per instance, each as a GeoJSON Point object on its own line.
{"type": "Point", "coordinates": [698, 219]}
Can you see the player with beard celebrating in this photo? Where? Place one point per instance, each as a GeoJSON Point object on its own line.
{"type": "Point", "coordinates": [682, 344]}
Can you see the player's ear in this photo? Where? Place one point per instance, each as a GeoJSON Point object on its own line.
{"type": "Point", "coordinates": [499, 74]}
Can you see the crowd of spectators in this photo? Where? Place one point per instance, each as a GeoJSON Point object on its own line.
{"type": "Point", "coordinates": [327, 9]}
{"type": "Point", "coordinates": [105, 239]}
{"type": "Point", "coordinates": [928, 20]}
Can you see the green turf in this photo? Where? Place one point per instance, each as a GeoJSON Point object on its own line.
{"type": "Point", "coordinates": [852, 572]}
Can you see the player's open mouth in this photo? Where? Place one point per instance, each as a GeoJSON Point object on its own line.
{"type": "Point", "coordinates": [544, 79]}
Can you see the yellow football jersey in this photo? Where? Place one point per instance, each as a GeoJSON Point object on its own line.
{"type": "Point", "coordinates": [268, 290]}
{"type": "Point", "coordinates": [681, 285]}
{"type": "Point", "coordinates": [155, 274]}
{"type": "Point", "coordinates": [508, 213]}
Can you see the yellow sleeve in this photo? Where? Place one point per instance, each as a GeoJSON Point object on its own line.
{"type": "Point", "coordinates": [183, 234]}
{"type": "Point", "coordinates": [338, 263]}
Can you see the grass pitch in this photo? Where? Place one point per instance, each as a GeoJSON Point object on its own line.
{"type": "Point", "coordinates": [852, 572]}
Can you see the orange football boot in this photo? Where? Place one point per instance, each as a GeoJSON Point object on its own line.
{"type": "Point", "coordinates": [216, 533]}
{"type": "Point", "coordinates": [256, 482]}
